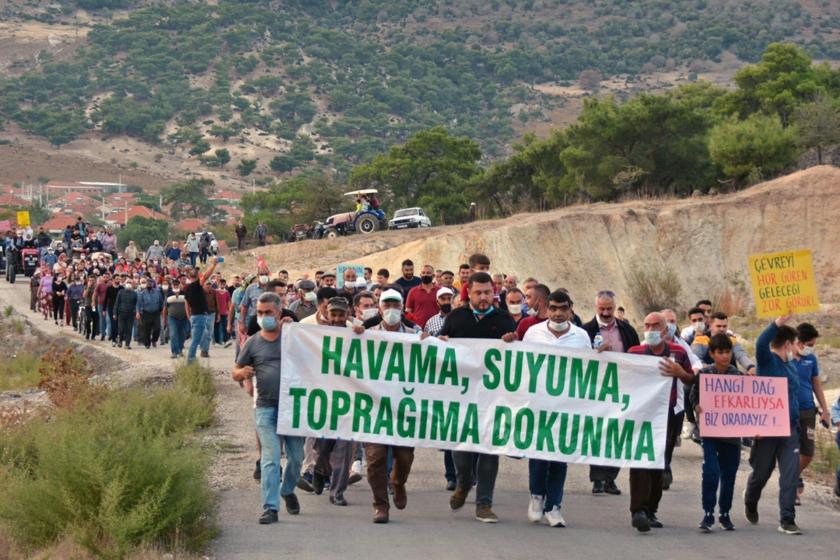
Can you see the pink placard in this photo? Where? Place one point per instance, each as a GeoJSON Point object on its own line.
{"type": "Point", "coordinates": [743, 406]}
{"type": "Point", "coordinates": [5, 225]}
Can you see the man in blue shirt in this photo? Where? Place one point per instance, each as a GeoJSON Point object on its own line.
{"type": "Point", "coordinates": [809, 385]}
{"type": "Point", "coordinates": [774, 353]}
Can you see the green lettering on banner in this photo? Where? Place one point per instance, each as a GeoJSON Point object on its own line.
{"type": "Point", "coordinates": [545, 434]}
{"type": "Point", "coordinates": [644, 446]}
{"type": "Point", "coordinates": [523, 431]}
{"type": "Point", "coordinates": [340, 407]}
{"type": "Point", "coordinates": [592, 435]}
{"type": "Point", "coordinates": [493, 377]}
{"type": "Point", "coordinates": [424, 414]}
{"type": "Point", "coordinates": [375, 358]}
{"type": "Point", "coordinates": [421, 369]}
{"type": "Point", "coordinates": [583, 385]}
{"type": "Point", "coordinates": [405, 421]}
{"type": "Point", "coordinates": [556, 378]}
{"type": "Point", "coordinates": [449, 368]}
{"type": "Point", "coordinates": [396, 364]}
{"type": "Point", "coordinates": [354, 359]}
{"type": "Point", "coordinates": [619, 443]}
{"type": "Point", "coordinates": [568, 440]}
{"type": "Point", "coordinates": [501, 425]}
{"type": "Point", "coordinates": [362, 407]}
{"type": "Point", "coordinates": [470, 429]}
{"type": "Point", "coordinates": [384, 417]}
{"type": "Point", "coordinates": [317, 404]}
{"type": "Point", "coordinates": [328, 355]}
{"type": "Point", "coordinates": [297, 394]}
{"type": "Point", "coordinates": [443, 422]}
{"type": "Point", "coordinates": [534, 367]}
{"type": "Point", "coordinates": [513, 378]}
{"type": "Point", "coordinates": [610, 383]}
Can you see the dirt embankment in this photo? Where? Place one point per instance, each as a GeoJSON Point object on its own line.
{"type": "Point", "coordinates": [705, 241]}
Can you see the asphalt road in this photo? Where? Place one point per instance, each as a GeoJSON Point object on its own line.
{"type": "Point", "coordinates": [598, 526]}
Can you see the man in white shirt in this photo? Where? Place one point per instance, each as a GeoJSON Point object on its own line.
{"type": "Point", "coordinates": [547, 478]}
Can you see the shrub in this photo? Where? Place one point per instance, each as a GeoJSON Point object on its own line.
{"type": "Point", "coordinates": [122, 473]}
{"type": "Point", "coordinates": [19, 372]}
{"type": "Point", "coordinates": [654, 287]}
{"type": "Point", "coordinates": [64, 377]}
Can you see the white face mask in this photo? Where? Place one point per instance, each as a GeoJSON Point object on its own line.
{"type": "Point", "coordinates": [128, 286]}
{"type": "Point", "coordinates": [653, 338]}
{"type": "Point", "coordinates": [263, 279]}
{"type": "Point", "coordinates": [164, 286]}
{"type": "Point", "coordinates": [369, 313]}
{"type": "Point", "coordinates": [806, 351]}
{"type": "Point", "coordinates": [699, 326]}
{"type": "Point", "coordinates": [311, 297]}
{"type": "Point", "coordinates": [558, 327]}
{"type": "Point", "coordinates": [515, 308]}
{"type": "Point", "coordinates": [392, 316]}
{"type": "Point", "coordinates": [532, 312]}
{"type": "Point", "coordinates": [672, 329]}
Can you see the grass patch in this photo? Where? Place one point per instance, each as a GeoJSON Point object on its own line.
{"type": "Point", "coordinates": [832, 341]}
{"type": "Point", "coordinates": [113, 471]}
{"type": "Point", "coordinates": [20, 372]}
{"type": "Point", "coordinates": [827, 458]}
{"type": "Point", "coordinates": [654, 287]}
{"type": "Point", "coordinates": [8, 311]}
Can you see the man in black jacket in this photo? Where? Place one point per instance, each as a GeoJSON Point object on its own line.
{"type": "Point", "coordinates": [615, 335]}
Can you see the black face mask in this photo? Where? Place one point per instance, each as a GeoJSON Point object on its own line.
{"type": "Point", "coordinates": [427, 279]}
{"type": "Point", "coordinates": [446, 308]}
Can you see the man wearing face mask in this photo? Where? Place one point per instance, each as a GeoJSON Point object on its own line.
{"type": "Point", "coordinates": [481, 319]}
{"type": "Point", "coordinates": [615, 336]}
{"type": "Point", "coordinates": [646, 484]}
{"type": "Point", "coordinates": [306, 303]}
{"type": "Point", "coordinates": [260, 359]}
{"type": "Point", "coordinates": [537, 298]}
{"type": "Point", "coordinates": [149, 306]}
{"type": "Point", "coordinates": [365, 306]}
{"type": "Point", "coordinates": [697, 318]}
{"type": "Point", "coordinates": [514, 298]}
{"type": "Point", "coordinates": [350, 285]}
{"type": "Point", "coordinates": [435, 324]}
{"type": "Point", "coordinates": [328, 280]}
{"type": "Point", "coordinates": [110, 301]}
{"type": "Point", "coordinates": [774, 352]}
{"type": "Point", "coordinates": [176, 316]}
{"type": "Point", "coordinates": [248, 309]}
{"type": "Point", "coordinates": [546, 479]}
{"type": "Point", "coordinates": [125, 309]}
{"type": "Point", "coordinates": [421, 302]}
{"type": "Point", "coordinates": [275, 287]}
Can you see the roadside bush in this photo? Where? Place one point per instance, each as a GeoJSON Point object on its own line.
{"type": "Point", "coordinates": [122, 473]}
{"type": "Point", "coordinates": [654, 287]}
{"type": "Point", "coordinates": [19, 372]}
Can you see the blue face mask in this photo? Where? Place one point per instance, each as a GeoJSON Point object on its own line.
{"type": "Point", "coordinates": [267, 323]}
{"type": "Point", "coordinates": [483, 313]}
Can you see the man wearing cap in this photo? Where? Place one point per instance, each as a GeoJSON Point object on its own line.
{"type": "Point", "coordinates": [328, 280]}
{"type": "Point", "coordinates": [421, 302]}
{"type": "Point", "coordinates": [333, 457]}
{"type": "Point", "coordinates": [306, 303]}
{"type": "Point", "coordinates": [443, 298]}
{"type": "Point", "coordinates": [391, 308]}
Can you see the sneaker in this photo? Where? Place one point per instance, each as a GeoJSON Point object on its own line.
{"type": "Point", "coordinates": [174, 356]}
{"type": "Point", "coordinates": [338, 501]}
{"type": "Point", "coordinates": [751, 513]}
{"type": "Point", "coordinates": [458, 498]}
{"type": "Point", "coordinates": [318, 483]}
{"type": "Point", "coordinates": [640, 522]}
{"type": "Point", "coordinates": [554, 518]}
{"type": "Point", "coordinates": [205, 354]}
{"type": "Point", "coordinates": [304, 484]}
{"type": "Point", "coordinates": [611, 488]}
{"type": "Point", "coordinates": [119, 345]}
{"type": "Point", "coordinates": [598, 487]}
{"type": "Point", "coordinates": [725, 522]}
{"type": "Point", "coordinates": [228, 343]}
{"type": "Point", "coordinates": [268, 517]}
{"type": "Point", "coordinates": [654, 521]}
{"type": "Point", "coordinates": [707, 524]}
{"type": "Point", "coordinates": [292, 504]}
{"type": "Point", "coordinates": [535, 509]}
{"type": "Point", "coordinates": [450, 485]}
{"type": "Point", "coordinates": [789, 528]}
{"type": "Point", "coordinates": [485, 514]}
{"type": "Point", "coordinates": [257, 470]}
{"type": "Point", "coordinates": [354, 478]}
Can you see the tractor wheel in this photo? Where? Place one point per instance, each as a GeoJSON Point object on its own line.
{"type": "Point", "coordinates": [367, 223]}
{"type": "Point", "coordinates": [332, 234]}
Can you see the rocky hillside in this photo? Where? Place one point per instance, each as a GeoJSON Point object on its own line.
{"type": "Point", "coordinates": [704, 241]}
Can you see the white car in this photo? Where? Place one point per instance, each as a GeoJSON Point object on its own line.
{"type": "Point", "coordinates": [409, 218]}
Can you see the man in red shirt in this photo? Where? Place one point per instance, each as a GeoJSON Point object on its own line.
{"type": "Point", "coordinates": [421, 303]}
{"type": "Point", "coordinates": [222, 304]}
{"type": "Point", "coordinates": [646, 484]}
{"type": "Point", "coordinates": [537, 300]}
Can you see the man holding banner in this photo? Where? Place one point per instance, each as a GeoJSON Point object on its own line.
{"type": "Point", "coordinates": [774, 353]}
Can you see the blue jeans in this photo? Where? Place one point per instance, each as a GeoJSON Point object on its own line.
{"type": "Point", "coordinates": [178, 330]}
{"type": "Point", "coordinates": [220, 335]}
{"type": "Point", "coordinates": [720, 466]}
{"type": "Point", "coordinates": [193, 257]}
{"type": "Point", "coordinates": [547, 478]}
{"type": "Point", "coordinates": [105, 324]}
{"type": "Point", "coordinates": [270, 486]}
{"type": "Point", "coordinates": [201, 325]}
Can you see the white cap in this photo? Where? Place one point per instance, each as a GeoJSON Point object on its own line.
{"type": "Point", "coordinates": [391, 295]}
{"type": "Point", "coordinates": [444, 292]}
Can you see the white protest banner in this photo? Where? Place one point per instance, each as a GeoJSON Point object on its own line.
{"type": "Point", "coordinates": [518, 399]}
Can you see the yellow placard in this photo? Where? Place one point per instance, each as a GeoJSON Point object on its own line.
{"type": "Point", "coordinates": [23, 218]}
{"type": "Point", "coordinates": [783, 283]}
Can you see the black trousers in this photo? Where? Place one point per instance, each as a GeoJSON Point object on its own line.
{"type": "Point", "coordinates": [149, 327]}
{"type": "Point", "coordinates": [91, 323]}
{"type": "Point", "coordinates": [125, 321]}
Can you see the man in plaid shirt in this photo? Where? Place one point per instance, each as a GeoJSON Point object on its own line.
{"type": "Point", "coordinates": [444, 302]}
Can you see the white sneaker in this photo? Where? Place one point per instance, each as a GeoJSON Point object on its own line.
{"type": "Point", "coordinates": [688, 427]}
{"type": "Point", "coordinates": [356, 467]}
{"type": "Point", "coordinates": [535, 509]}
{"type": "Point", "coordinates": [555, 518]}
